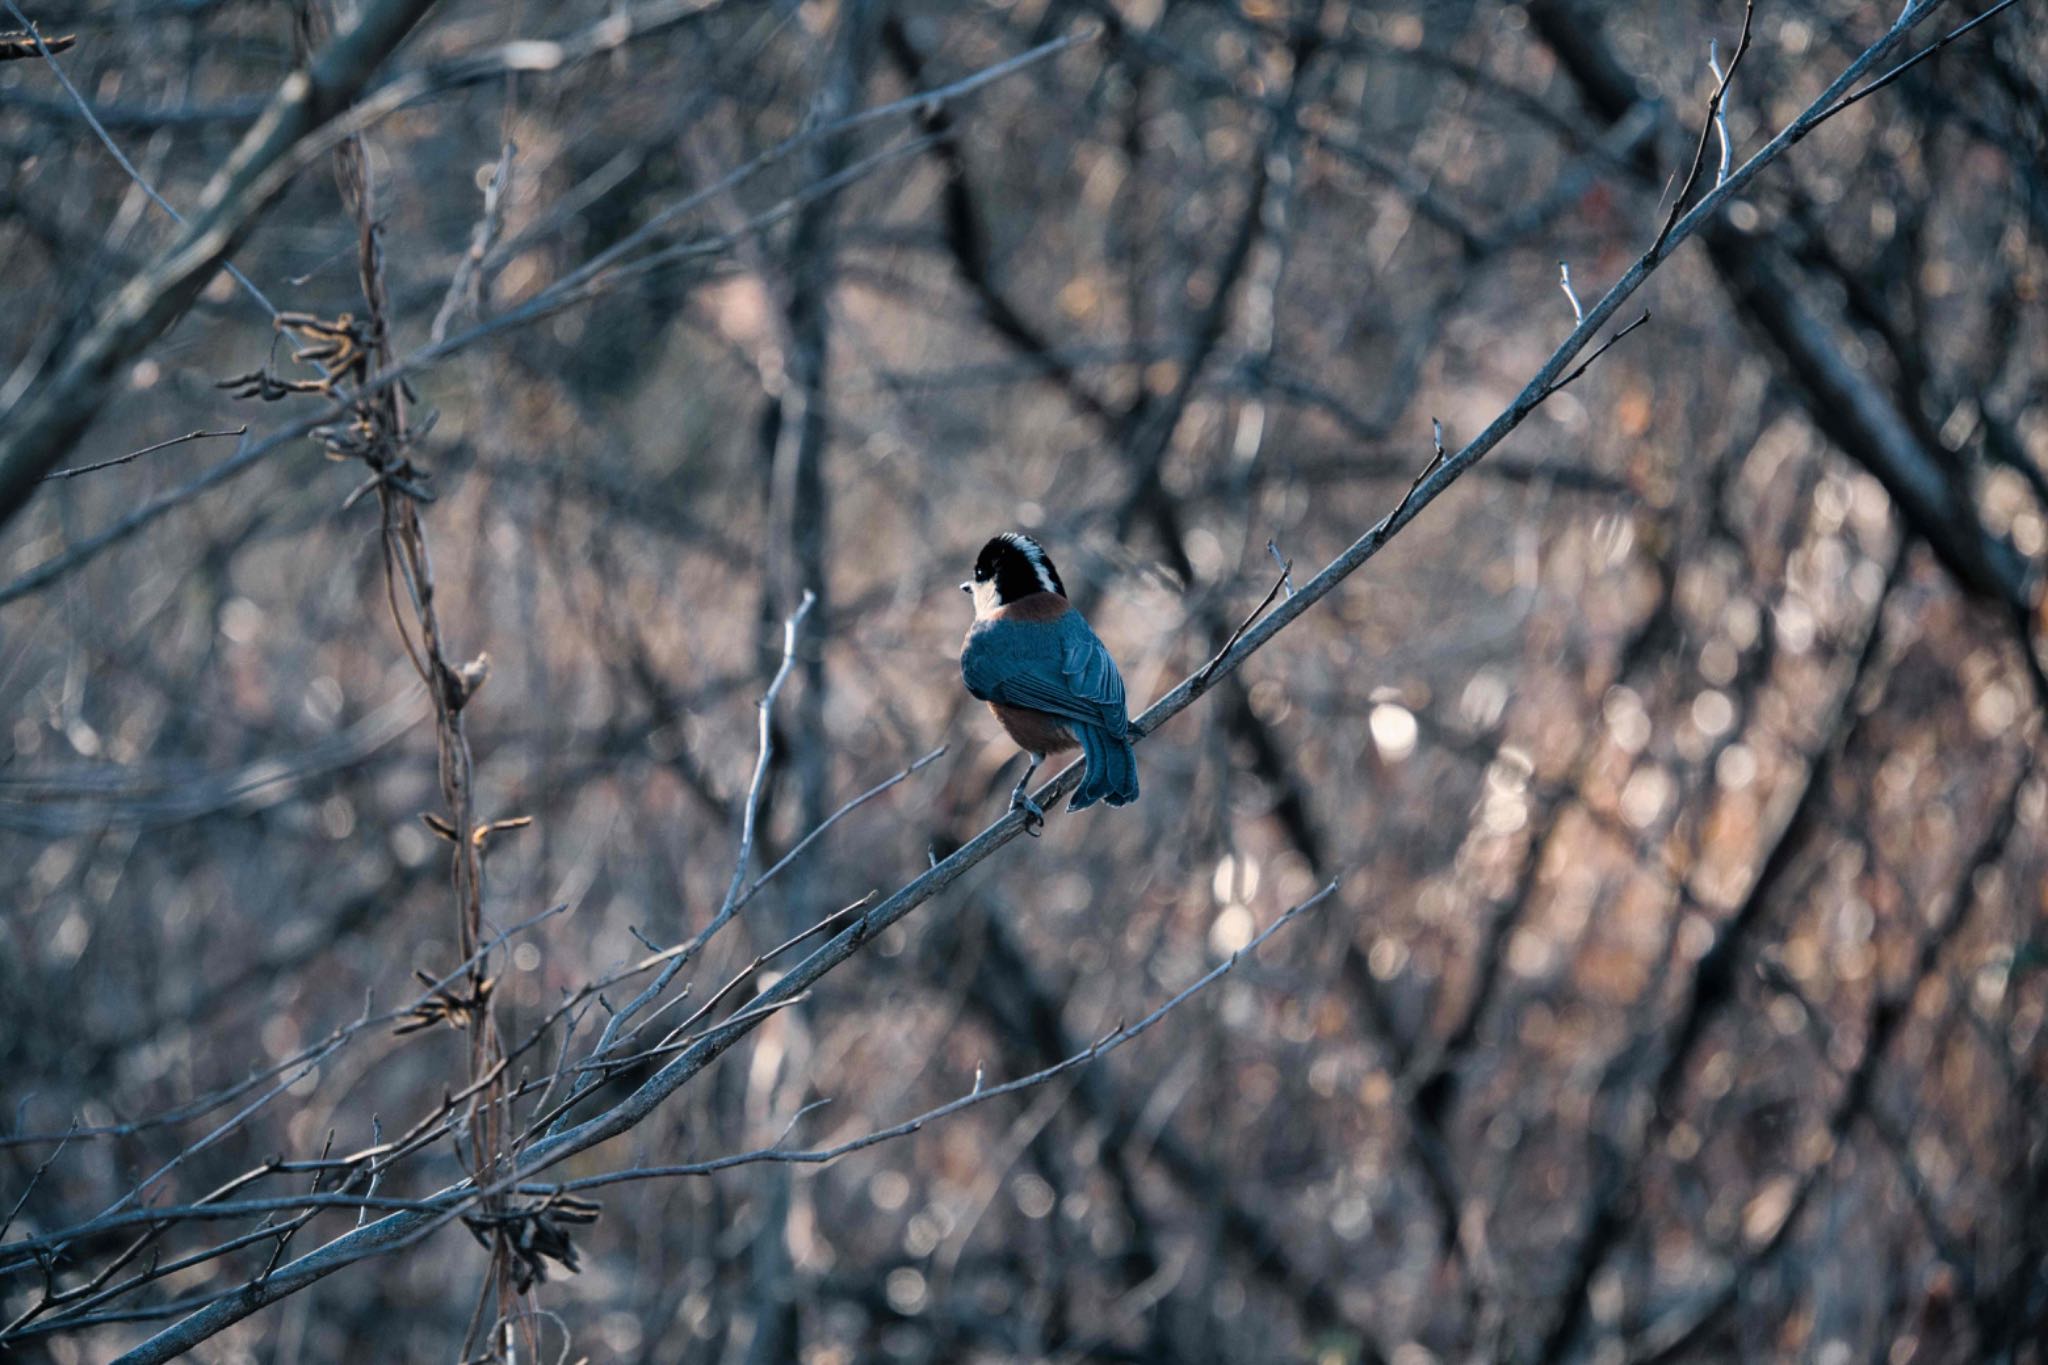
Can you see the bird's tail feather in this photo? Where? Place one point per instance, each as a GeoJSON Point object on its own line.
{"type": "Point", "coordinates": [1112, 773]}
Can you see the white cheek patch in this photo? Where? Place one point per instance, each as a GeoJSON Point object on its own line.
{"type": "Point", "coordinates": [985, 601]}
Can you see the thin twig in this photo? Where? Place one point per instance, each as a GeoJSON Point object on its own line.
{"type": "Point", "coordinates": [1285, 580]}
{"type": "Point", "coordinates": [1903, 67]}
{"type": "Point", "coordinates": [1699, 155]}
{"type": "Point", "coordinates": [30, 1188]}
{"type": "Point", "coordinates": [764, 753]}
{"type": "Point", "coordinates": [1720, 113]}
{"type": "Point", "coordinates": [76, 470]}
{"type": "Point", "coordinates": [464, 287]}
{"type": "Point", "coordinates": [1564, 281]}
{"type": "Point", "coordinates": [1286, 565]}
{"type": "Point", "coordinates": [1605, 347]}
{"type": "Point", "coordinates": [1437, 455]}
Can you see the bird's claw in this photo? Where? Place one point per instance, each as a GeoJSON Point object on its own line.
{"type": "Point", "coordinates": [1034, 814]}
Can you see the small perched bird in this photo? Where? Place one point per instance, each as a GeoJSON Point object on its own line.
{"type": "Point", "coordinates": [1039, 667]}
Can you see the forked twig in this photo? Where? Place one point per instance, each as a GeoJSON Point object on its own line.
{"type": "Point", "coordinates": [1699, 154]}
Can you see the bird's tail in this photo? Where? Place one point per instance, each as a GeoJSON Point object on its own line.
{"type": "Point", "coordinates": [1112, 773]}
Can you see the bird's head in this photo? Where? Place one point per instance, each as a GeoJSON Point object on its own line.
{"type": "Point", "coordinates": [1011, 566]}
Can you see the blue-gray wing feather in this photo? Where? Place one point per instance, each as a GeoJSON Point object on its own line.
{"type": "Point", "coordinates": [1058, 667]}
{"type": "Point", "coordinates": [1092, 675]}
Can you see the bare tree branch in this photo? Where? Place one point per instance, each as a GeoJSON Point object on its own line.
{"type": "Point", "coordinates": [40, 429]}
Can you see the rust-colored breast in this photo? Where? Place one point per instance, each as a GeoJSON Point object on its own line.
{"type": "Point", "coordinates": [1035, 731]}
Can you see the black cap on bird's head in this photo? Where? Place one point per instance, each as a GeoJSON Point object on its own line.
{"type": "Point", "coordinates": [1014, 566]}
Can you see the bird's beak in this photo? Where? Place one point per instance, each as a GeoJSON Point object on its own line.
{"type": "Point", "coordinates": [967, 587]}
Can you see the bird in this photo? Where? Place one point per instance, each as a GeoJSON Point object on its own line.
{"type": "Point", "coordinates": [1050, 682]}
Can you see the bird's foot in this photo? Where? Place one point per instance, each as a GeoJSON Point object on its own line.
{"type": "Point", "coordinates": [1034, 814]}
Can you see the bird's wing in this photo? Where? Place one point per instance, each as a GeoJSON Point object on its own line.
{"type": "Point", "coordinates": [1092, 675]}
{"type": "Point", "coordinates": [1058, 667]}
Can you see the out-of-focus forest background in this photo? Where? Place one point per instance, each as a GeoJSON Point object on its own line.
{"type": "Point", "coordinates": [1683, 992]}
